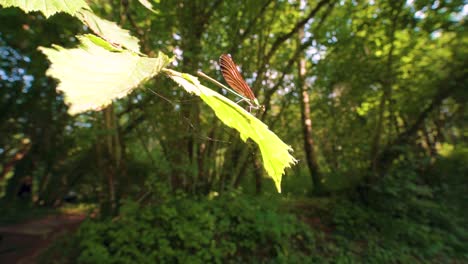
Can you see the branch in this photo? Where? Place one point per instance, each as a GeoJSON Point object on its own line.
{"type": "Point", "coordinates": [252, 24]}
{"type": "Point", "coordinates": [269, 93]}
{"type": "Point", "coordinates": [293, 31]}
{"type": "Point", "coordinates": [281, 39]}
{"type": "Point", "coordinates": [209, 13]}
{"type": "Point", "coordinates": [386, 157]}
{"type": "Point", "coordinates": [19, 155]}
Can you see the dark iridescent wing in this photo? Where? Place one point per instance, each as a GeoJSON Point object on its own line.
{"type": "Point", "coordinates": [234, 78]}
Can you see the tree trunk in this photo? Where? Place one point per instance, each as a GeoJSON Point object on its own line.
{"type": "Point", "coordinates": [306, 121]}
{"type": "Point", "coordinates": [387, 93]}
{"type": "Point", "coordinates": [193, 18]}
{"type": "Point", "coordinates": [9, 165]}
{"type": "Point", "coordinates": [110, 160]}
{"type": "Point", "coordinates": [392, 151]}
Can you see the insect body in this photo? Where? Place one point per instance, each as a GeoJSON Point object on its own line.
{"type": "Point", "coordinates": [233, 77]}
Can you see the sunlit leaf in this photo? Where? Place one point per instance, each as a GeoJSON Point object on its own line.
{"type": "Point", "coordinates": [92, 75]}
{"type": "Point", "coordinates": [148, 5]}
{"type": "Point", "coordinates": [109, 31]}
{"type": "Point", "coordinates": [47, 7]}
{"type": "Point", "coordinates": [275, 153]}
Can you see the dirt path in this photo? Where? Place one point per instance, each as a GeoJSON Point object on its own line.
{"type": "Point", "coordinates": [22, 243]}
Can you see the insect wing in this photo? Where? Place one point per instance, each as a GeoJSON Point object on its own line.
{"type": "Point", "coordinates": [233, 77]}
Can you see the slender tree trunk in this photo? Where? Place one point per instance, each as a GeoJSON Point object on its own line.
{"type": "Point", "coordinates": [387, 92]}
{"type": "Point", "coordinates": [247, 156]}
{"type": "Point", "coordinates": [379, 130]}
{"type": "Point", "coordinates": [193, 18]}
{"type": "Point", "coordinates": [19, 155]}
{"type": "Point", "coordinates": [110, 150]}
{"type": "Point", "coordinates": [306, 121]}
{"type": "Point", "coordinates": [386, 157]}
{"type": "Point", "coordinates": [258, 174]}
{"type": "Point", "coordinates": [110, 170]}
{"type": "Point", "coordinates": [429, 140]}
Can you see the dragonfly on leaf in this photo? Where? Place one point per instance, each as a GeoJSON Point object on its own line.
{"type": "Point", "coordinates": [235, 80]}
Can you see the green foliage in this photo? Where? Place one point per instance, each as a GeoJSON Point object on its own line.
{"type": "Point", "coordinates": [148, 5]}
{"type": "Point", "coordinates": [110, 67]}
{"type": "Point", "coordinates": [230, 227]}
{"type": "Point", "coordinates": [100, 72]}
{"type": "Point", "coordinates": [275, 153]}
{"type": "Point", "coordinates": [48, 8]}
{"type": "Point", "coordinates": [109, 31]}
{"type": "Point", "coordinates": [378, 72]}
{"type": "Point", "coordinates": [405, 220]}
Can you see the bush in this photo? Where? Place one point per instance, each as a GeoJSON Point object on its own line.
{"type": "Point", "coordinates": [405, 221]}
{"type": "Point", "coordinates": [229, 228]}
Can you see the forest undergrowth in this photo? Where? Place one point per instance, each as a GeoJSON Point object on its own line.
{"type": "Point", "coordinates": [409, 217]}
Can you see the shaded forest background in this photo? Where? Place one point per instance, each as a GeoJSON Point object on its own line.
{"type": "Point", "coordinates": [371, 95]}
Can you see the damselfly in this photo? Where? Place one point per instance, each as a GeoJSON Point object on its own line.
{"type": "Point", "coordinates": [233, 77]}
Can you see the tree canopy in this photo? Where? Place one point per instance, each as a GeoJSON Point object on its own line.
{"type": "Point", "coordinates": [365, 98]}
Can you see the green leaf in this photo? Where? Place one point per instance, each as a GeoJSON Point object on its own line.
{"type": "Point", "coordinates": [148, 5]}
{"type": "Point", "coordinates": [91, 76]}
{"type": "Point", "coordinates": [47, 7]}
{"type": "Point", "coordinates": [275, 153]}
{"type": "Point", "coordinates": [109, 31]}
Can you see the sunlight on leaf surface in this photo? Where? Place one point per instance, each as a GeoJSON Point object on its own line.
{"type": "Point", "coordinates": [148, 5]}
{"type": "Point", "coordinates": [48, 7]}
{"type": "Point", "coordinates": [95, 73]}
{"type": "Point", "coordinates": [109, 31]}
{"type": "Point", "coordinates": [275, 153]}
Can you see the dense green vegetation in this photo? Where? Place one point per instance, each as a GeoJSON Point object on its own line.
{"type": "Point", "coordinates": [371, 95]}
